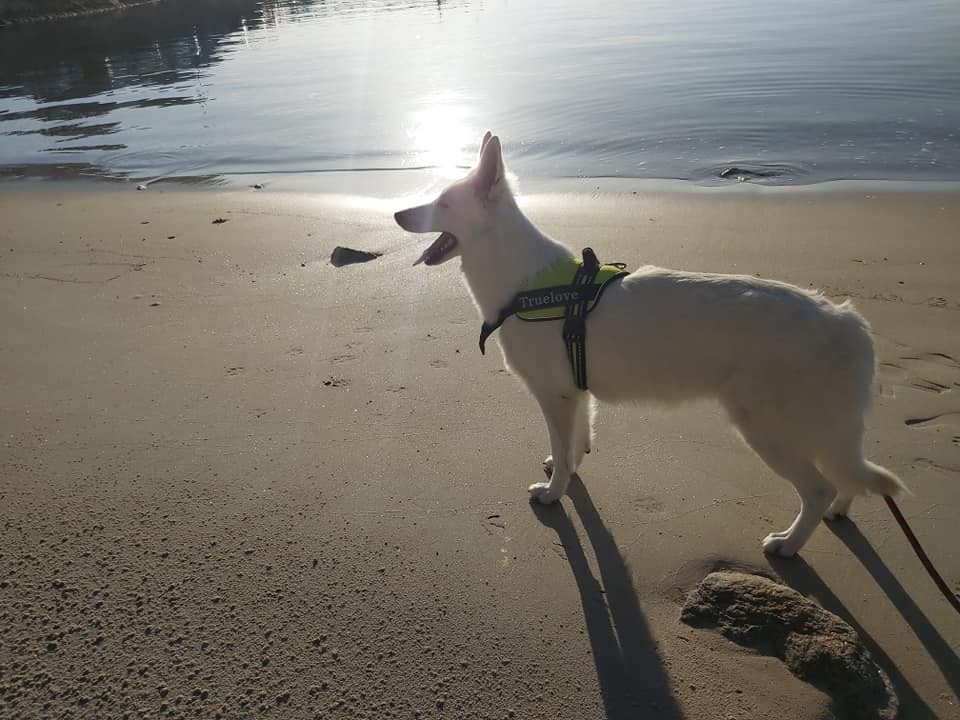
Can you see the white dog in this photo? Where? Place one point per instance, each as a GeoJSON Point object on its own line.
{"type": "Point", "coordinates": [793, 370]}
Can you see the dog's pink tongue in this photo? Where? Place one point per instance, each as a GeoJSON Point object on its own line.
{"type": "Point", "coordinates": [434, 246]}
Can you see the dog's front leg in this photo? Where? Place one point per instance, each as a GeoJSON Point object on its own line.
{"type": "Point", "coordinates": [560, 412]}
{"type": "Point", "coordinates": [582, 433]}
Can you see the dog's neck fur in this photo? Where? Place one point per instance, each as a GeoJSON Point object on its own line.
{"type": "Point", "coordinates": [497, 263]}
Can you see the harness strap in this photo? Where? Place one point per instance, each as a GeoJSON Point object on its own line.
{"type": "Point", "coordinates": [574, 324]}
{"type": "Point", "coordinates": [577, 299]}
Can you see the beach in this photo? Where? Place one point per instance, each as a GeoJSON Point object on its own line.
{"type": "Point", "coordinates": [237, 481]}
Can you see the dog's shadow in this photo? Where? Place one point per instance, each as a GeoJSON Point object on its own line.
{"type": "Point", "coordinates": [632, 680]}
{"type": "Point", "coordinates": [799, 575]}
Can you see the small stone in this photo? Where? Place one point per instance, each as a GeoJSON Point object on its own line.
{"type": "Point", "coordinates": [348, 256]}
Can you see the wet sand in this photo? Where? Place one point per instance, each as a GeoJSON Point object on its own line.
{"type": "Point", "coordinates": [237, 481]}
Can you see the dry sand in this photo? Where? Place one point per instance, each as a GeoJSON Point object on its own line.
{"type": "Point", "coordinates": [236, 481]}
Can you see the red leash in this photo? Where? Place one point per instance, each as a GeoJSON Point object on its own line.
{"type": "Point", "coordinates": [902, 521]}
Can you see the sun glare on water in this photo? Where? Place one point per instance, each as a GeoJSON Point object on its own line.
{"type": "Point", "coordinates": [441, 139]}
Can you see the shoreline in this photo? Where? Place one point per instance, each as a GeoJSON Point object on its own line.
{"type": "Point", "coordinates": [397, 183]}
{"type": "Point", "coordinates": [236, 479]}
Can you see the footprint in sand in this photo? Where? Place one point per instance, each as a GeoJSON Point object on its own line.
{"type": "Point", "coordinates": [940, 419]}
{"type": "Point", "coordinates": [494, 521]}
{"type": "Point", "coordinates": [235, 370]}
{"type": "Point", "coordinates": [346, 357]}
{"type": "Point", "coordinates": [932, 372]}
{"type": "Point", "coordinates": [935, 465]}
{"type": "Point", "coordinates": [495, 525]}
{"type": "Point", "coordinates": [937, 376]}
{"type": "Point", "coordinates": [438, 363]}
{"type": "Point", "coordinates": [647, 504]}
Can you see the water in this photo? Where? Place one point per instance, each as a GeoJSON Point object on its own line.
{"type": "Point", "coordinates": [720, 91]}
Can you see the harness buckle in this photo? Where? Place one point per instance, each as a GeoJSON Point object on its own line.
{"type": "Point", "coordinates": [591, 266]}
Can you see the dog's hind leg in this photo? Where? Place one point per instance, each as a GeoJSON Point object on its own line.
{"type": "Point", "coordinates": [560, 413]}
{"type": "Point", "coordinates": [846, 467]}
{"type": "Point", "coordinates": [815, 492]}
{"type": "Point", "coordinates": [840, 507]}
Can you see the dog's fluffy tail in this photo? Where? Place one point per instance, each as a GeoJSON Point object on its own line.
{"type": "Point", "coordinates": [881, 481]}
{"type": "Point", "coordinates": [857, 475]}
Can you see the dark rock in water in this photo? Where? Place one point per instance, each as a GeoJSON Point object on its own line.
{"type": "Point", "coordinates": [746, 173]}
{"type": "Point", "coordinates": [816, 645]}
{"type": "Point", "coordinates": [348, 256]}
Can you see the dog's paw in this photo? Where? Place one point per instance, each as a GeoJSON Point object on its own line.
{"type": "Point", "coordinates": [548, 464]}
{"type": "Point", "coordinates": [779, 544]}
{"type": "Point", "coordinates": [832, 514]}
{"type": "Point", "coordinates": [542, 493]}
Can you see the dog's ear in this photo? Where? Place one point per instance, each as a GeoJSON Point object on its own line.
{"type": "Point", "coordinates": [483, 143]}
{"type": "Point", "coordinates": [490, 171]}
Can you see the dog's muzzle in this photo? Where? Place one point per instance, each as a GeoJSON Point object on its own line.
{"type": "Point", "coordinates": [416, 219]}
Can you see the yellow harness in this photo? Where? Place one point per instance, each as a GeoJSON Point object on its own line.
{"type": "Point", "coordinates": [568, 291]}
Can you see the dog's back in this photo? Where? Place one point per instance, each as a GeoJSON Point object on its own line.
{"type": "Point", "coordinates": [665, 335]}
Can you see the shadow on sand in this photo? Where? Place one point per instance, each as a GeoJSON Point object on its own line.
{"type": "Point", "coordinates": [940, 652]}
{"type": "Point", "coordinates": [630, 672]}
{"type": "Point", "coordinates": [799, 575]}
